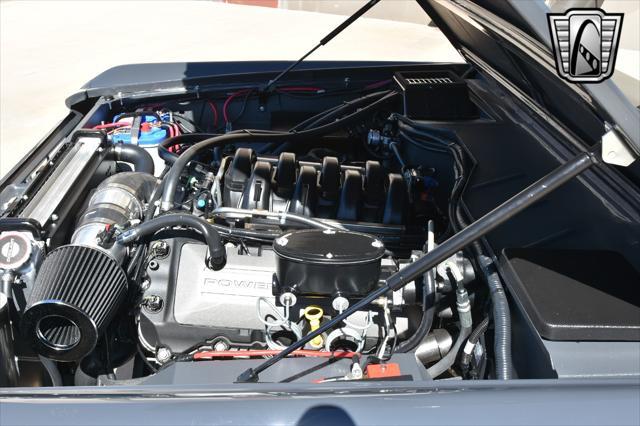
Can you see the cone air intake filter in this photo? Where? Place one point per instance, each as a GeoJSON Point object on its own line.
{"type": "Point", "coordinates": [76, 294]}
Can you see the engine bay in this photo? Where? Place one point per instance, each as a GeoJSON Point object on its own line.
{"type": "Point", "coordinates": [187, 238]}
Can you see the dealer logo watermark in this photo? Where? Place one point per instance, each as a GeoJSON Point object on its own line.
{"type": "Point", "coordinates": [585, 43]}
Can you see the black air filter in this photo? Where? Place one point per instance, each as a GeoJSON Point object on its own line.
{"type": "Point", "coordinates": [76, 294]}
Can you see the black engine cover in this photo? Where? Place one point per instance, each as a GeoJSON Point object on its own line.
{"type": "Point", "coordinates": [327, 190]}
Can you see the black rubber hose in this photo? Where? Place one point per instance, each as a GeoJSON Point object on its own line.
{"type": "Point", "coordinates": [133, 154]}
{"type": "Point", "coordinates": [428, 313]}
{"type": "Point", "coordinates": [136, 261]}
{"type": "Point", "coordinates": [335, 113]}
{"type": "Point", "coordinates": [187, 138]}
{"type": "Point", "coordinates": [217, 250]}
{"type": "Point", "coordinates": [155, 196]}
{"type": "Point", "coordinates": [461, 176]}
{"type": "Point", "coordinates": [423, 144]}
{"type": "Point", "coordinates": [173, 178]}
{"type": "Point", "coordinates": [9, 372]}
{"type": "Point", "coordinates": [329, 115]}
{"type": "Point", "coordinates": [475, 335]}
{"type": "Point", "coordinates": [21, 224]}
{"type": "Point", "coordinates": [501, 319]}
{"type": "Point", "coordinates": [500, 308]}
{"type": "Point", "coordinates": [192, 138]}
{"type": "Point", "coordinates": [179, 117]}
{"type": "Point", "coordinates": [479, 331]}
{"type": "Point", "coordinates": [464, 313]}
{"type": "Point", "coordinates": [305, 124]}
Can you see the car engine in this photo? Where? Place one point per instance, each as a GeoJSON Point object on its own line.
{"type": "Point", "coordinates": [228, 224]}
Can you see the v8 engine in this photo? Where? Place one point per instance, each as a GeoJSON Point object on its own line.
{"type": "Point", "coordinates": [160, 236]}
{"type": "Point", "coordinates": [324, 268]}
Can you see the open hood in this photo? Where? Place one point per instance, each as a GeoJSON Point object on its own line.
{"type": "Point", "coordinates": [357, 243]}
{"type": "Point", "coordinates": [510, 41]}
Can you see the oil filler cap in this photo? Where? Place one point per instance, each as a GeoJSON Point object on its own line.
{"type": "Point", "coordinates": [15, 250]}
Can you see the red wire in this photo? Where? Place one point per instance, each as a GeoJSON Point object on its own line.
{"type": "Point", "coordinates": [225, 115]}
{"type": "Point", "coordinates": [377, 84]}
{"type": "Point", "coordinates": [214, 110]}
{"type": "Point", "coordinates": [269, 352]}
{"type": "Point", "coordinates": [171, 130]}
{"type": "Point", "coordinates": [226, 104]}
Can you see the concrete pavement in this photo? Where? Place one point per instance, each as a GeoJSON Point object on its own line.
{"type": "Point", "coordinates": [49, 49]}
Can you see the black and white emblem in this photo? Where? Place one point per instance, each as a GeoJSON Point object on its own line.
{"type": "Point", "coordinates": [585, 42]}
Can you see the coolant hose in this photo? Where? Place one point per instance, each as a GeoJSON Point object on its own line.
{"type": "Point", "coordinates": [133, 154]}
{"type": "Point", "coordinates": [21, 224]}
{"type": "Point", "coordinates": [429, 309]}
{"type": "Point", "coordinates": [447, 361]}
{"type": "Point", "coordinates": [217, 251]}
{"type": "Point", "coordinates": [428, 300]}
{"type": "Point", "coordinates": [186, 138]}
{"type": "Point", "coordinates": [501, 319]}
{"type": "Point", "coordinates": [500, 309]}
{"type": "Point", "coordinates": [246, 136]}
{"type": "Point", "coordinates": [463, 305]}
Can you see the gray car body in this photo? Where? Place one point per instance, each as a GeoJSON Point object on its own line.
{"type": "Point", "coordinates": [548, 402]}
{"type": "Point", "coordinates": [555, 401]}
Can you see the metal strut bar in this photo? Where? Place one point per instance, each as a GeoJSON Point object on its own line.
{"type": "Point", "coordinates": [350, 20]}
{"type": "Point", "coordinates": [471, 233]}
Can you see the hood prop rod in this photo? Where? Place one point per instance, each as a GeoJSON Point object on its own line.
{"type": "Point", "coordinates": [350, 20]}
{"type": "Point", "coordinates": [471, 233]}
